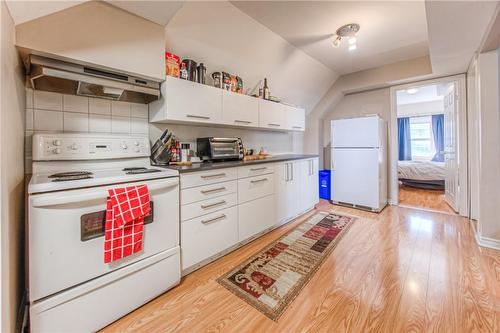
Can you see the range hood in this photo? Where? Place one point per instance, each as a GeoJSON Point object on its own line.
{"type": "Point", "coordinates": [75, 79]}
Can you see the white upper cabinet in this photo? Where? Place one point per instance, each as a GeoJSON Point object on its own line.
{"type": "Point", "coordinates": [239, 110]}
{"type": "Point", "coordinates": [296, 118]}
{"type": "Point", "coordinates": [187, 101]}
{"type": "Point", "coordinates": [272, 115]}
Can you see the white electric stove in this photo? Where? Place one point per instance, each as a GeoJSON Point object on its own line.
{"type": "Point", "coordinates": [70, 286]}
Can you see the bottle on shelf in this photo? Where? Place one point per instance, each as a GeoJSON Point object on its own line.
{"type": "Point", "coordinates": [266, 94]}
{"type": "Point", "coordinates": [183, 71]}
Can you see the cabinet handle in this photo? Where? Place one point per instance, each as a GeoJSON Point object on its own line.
{"type": "Point", "coordinates": [291, 168]}
{"type": "Point", "coordinates": [213, 190]}
{"type": "Point", "coordinates": [258, 169]}
{"type": "Point", "coordinates": [198, 117]}
{"type": "Point", "coordinates": [297, 127]}
{"type": "Point", "coordinates": [218, 203]}
{"type": "Point", "coordinates": [286, 172]}
{"type": "Point", "coordinates": [223, 216]}
{"type": "Point", "coordinates": [272, 124]}
{"type": "Point", "coordinates": [242, 121]}
{"type": "Point", "coordinates": [213, 176]}
{"type": "Point", "coordinates": [258, 181]}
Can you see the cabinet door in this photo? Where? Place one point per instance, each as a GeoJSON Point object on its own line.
{"type": "Point", "coordinates": [272, 115]}
{"type": "Point", "coordinates": [192, 102]}
{"type": "Point", "coordinates": [309, 184]}
{"type": "Point", "coordinates": [296, 118]}
{"type": "Point", "coordinates": [287, 191]}
{"type": "Point", "coordinates": [255, 216]}
{"type": "Point", "coordinates": [239, 109]}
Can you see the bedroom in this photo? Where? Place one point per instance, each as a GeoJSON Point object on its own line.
{"type": "Point", "coordinates": [427, 140]}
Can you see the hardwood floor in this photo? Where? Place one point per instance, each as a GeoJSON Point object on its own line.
{"type": "Point", "coordinates": [424, 199]}
{"type": "Point", "coordinates": [403, 270]}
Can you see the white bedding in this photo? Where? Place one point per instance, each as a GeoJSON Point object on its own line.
{"type": "Point", "coordinates": [421, 170]}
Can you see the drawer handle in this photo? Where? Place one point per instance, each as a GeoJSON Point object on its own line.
{"type": "Point", "coordinates": [272, 124]}
{"type": "Point", "coordinates": [214, 176]}
{"type": "Point", "coordinates": [242, 121]}
{"type": "Point", "coordinates": [213, 190]}
{"type": "Point", "coordinates": [218, 203]}
{"type": "Point", "coordinates": [297, 127]}
{"type": "Point", "coordinates": [198, 117]}
{"type": "Point", "coordinates": [258, 181]}
{"type": "Point", "coordinates": [258, 169]}
{"type": "Point", "coordinates": [223, 216]}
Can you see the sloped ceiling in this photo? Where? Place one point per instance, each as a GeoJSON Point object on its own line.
{"type": "Point", "coordinates": [390, 31]}
{"type": "Point", "coordinates": [156, 11]}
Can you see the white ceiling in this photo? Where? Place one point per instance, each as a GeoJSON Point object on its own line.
{"type": "Point", "coordinates": [24, 11]}
{"type": "Point", "coordinates": [390, 31]}
{"type": "Point", "coordinates": [424, 94]}
{"type": "Point", "coordinates": [156, 11]}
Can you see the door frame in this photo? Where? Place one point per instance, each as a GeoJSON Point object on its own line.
{"type": "Point", "coordinates": [463, 207]}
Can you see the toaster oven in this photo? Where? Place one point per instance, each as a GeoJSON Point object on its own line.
{"type": "Point", "coordinates": [219, 149]}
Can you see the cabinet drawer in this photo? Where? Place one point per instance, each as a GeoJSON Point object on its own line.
{"type": "Point", "coordinates": [255, 187]}
{"type": "Point", "coordinates": [255, 170]}
{"type": "Point", "coordinates": [256, 216]}
{"type": "Point", "coordinates": [208, 177]}
{"type": "Point", "coordinates": [199, 193]}
{"type": "Point", "coordinates": [208, 206]}
{"type": "Point", "coordinates": [208, 235]}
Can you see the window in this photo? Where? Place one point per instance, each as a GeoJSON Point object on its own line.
{"type": "Point", "coordinates": [422, 145]}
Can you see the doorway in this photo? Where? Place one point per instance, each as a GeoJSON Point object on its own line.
{"type": "Point", "coordinates": [428, 150]}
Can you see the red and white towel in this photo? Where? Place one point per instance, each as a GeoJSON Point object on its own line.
{"type": "Point", "coordinates": [126, 209]}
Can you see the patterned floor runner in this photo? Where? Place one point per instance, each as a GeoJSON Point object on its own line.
{"type": "Point", "coordinates": [272, 278]}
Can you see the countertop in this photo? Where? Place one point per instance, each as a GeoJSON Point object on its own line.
{"type": "Point", "coordinates": [205, 166]}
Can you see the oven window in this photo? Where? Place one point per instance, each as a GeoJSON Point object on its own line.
{"type": "Point", "coordinates": [92, 224]}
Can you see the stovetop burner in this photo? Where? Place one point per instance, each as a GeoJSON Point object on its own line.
{"type": "Point", "coordinates": [72, 174]}
{"type": "Point", "coordinates": [72, 177]}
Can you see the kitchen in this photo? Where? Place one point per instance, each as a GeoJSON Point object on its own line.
{"type": "Point", "coordinates": [206, 132]}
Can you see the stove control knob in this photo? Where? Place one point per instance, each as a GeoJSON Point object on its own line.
{"type": "Point", "coordinates": [56, 151]}
{"type": "Point", "coordinates": [137, 149]}
{"type": "Point", "coordinates": [124, 145]}
{"type": "Point", "coordinates": [56, 142]}
{"type": "Point", "coordinates": [136, 143]}
{"type": "Point", "coordinates": [74, 146]}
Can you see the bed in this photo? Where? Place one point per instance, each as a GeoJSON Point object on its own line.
{"type": "Point", "coordinates": [422, 174]}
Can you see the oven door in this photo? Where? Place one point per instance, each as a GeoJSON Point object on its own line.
{"type": "Point", "coordinates": [66, 234]}
{"type": "Point", "coordinates": [225, 150]}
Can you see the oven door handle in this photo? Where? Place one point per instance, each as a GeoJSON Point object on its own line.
{"type": "Point", "coordinates": [61, 198]}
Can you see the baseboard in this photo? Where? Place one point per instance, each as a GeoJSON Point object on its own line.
{"type": "Point", "coordinates": [485, 241]}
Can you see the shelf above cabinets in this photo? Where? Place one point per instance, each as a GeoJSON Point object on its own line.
{"type": "Point", "coordinates": [189, 102]}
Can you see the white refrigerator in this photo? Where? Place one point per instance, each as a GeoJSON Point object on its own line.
{"type": "Point", "coordinates": [359, 162]}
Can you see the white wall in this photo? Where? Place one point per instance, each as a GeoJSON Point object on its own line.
{"type": "Point", "coordinates": [52, 112]}
{"type": "Point", "coordinates": [473, 138]}
{"type": "Point", "coordinates": [358, 105]}
{"type": "Point", "coordinates": [385, 76]}
{"type": "Point", "coordinates": [489, 144]}
{"type": "Point", "coordinates": [11, 173]}
{"type": "Point", "coordinates": [98, 33]}
{"type": "Point", "coordinates": [226, 39]}
{"type": "Point", "coordinates": [273, 142]}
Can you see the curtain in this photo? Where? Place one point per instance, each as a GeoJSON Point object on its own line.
{"type": "Point", "coordinates": [404, 139]}
{"type": "Point", "coordinates": [438, 133]}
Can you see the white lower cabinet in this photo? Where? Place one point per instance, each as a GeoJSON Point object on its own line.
{"type": "Point", "coordinates": [255, 216]}
{"type": "Point", "coordinates": [224, 208]}
{"type": "Point", "coordinates": [207, 235]}
{"type": "Point", "coordinates": [296, 188]}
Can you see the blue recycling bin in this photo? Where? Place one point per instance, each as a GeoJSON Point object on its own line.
{"type": "Point", "coordinates": [325, 184]}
